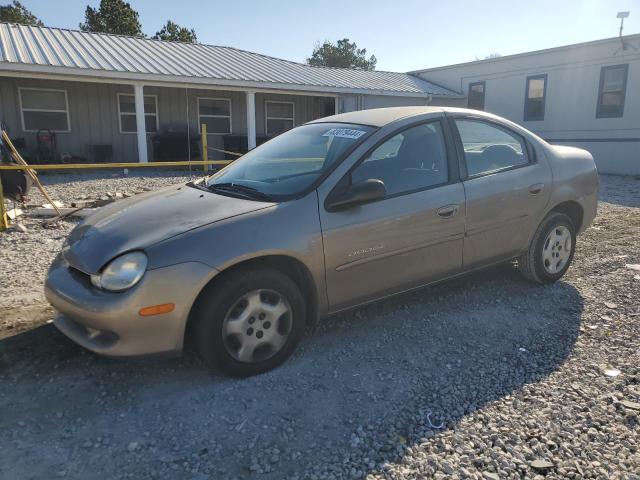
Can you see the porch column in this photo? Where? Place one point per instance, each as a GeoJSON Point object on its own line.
{"type": "Point", "coordinates": [138, 90]}
{"type": "Point", "coordinates": [251, 120]}
{"type": "Point", "coordinates": [336, 102]}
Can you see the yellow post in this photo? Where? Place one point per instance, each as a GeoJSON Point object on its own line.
{"type": "Point", "coordinates": [205, 147]}
{"type": "Point", "coordinates": [4, 222]}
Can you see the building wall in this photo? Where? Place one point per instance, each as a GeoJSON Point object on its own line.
{"type": "Point", "coordinates": [93, 115]}
{"type": "Point", "coordinates": [573, 78]}
{"type": "Point", "coordinates": [350, 103]}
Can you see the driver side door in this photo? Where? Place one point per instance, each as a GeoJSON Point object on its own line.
{"type": "Point", "coordinates": [410, 237]}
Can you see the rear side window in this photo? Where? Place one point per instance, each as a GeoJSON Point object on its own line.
{"type": "Point", "coordinates": [414, 159]}
{"type": "Point", "coordinates": [489, 148]}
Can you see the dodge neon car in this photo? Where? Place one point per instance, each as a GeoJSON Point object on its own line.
{"type": "Point", "coordinates": [330, 215]}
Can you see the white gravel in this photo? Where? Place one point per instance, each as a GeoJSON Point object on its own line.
{"type": "Point", "coordinates": [514, 374]}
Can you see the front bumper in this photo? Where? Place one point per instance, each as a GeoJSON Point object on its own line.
{"type": "Point", "coordinates": [108, 322]}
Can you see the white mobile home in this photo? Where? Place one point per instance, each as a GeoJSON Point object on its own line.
{"type": "Point", "coordinates": [587, 95]}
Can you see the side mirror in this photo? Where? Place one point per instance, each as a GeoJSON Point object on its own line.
{"type": "Point", "coordinates": [358, 194]}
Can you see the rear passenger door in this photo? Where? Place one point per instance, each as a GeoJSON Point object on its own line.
{"type": "Point", "coordinates": [506, 186]}
{"type": "Point", "coordinates": [411, 236]}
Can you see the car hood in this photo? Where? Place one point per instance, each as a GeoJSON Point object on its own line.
{"type": "Point", "coordinates": [142, 220]}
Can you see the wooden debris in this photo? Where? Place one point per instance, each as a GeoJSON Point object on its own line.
{"type": "Point", "coordinates": [64, 212]}
{"type": "Point", "coordinates": [55, 204]}
{"type": "Point", "coordinates": [14, 213]}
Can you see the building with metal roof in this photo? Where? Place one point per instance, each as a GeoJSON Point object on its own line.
{"type": "Point", "coordinates": [55, 50]}
{"type": "Point", "coordinates": [107, 97]}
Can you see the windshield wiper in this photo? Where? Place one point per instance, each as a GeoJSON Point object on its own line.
{"type": "Point", "coordinates": [199, 186]}
{"type": "Point", "coordinates": [242, 189]}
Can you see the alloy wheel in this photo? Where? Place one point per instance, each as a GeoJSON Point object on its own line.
{"type": "Point", "coordinates": [257, 326]}
{"type": "Point", "coordinates": [557, 249]}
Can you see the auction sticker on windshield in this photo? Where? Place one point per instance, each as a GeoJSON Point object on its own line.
{"type": "Point", "coordinates": [344, 133]}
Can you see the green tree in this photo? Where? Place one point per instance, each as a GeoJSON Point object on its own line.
{"type": "Point", "coordinates": [175, 33]}
{"type": "Point", "coordinates": [113, 16]}
{"type": "Point", "coordinates": [343, 54]}
{"type": "Point", "coordinates": [16, 13]}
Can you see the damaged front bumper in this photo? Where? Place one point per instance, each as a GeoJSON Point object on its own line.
{"type": "Point", "coordinates": [109, 323]}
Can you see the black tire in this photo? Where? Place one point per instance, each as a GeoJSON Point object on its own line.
{"type": "Point", "coordinates": [531, 263]}
{"type": "Point", "coordinates": [217, 300]}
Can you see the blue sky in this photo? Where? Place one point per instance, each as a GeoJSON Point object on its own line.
{"type": "Point", "coordinates": [403, 34]}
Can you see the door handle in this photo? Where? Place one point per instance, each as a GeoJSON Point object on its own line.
{"type": "Point", "coordinates": [447, 211]}
{"type": "Point", "coordinates": [536, 188]}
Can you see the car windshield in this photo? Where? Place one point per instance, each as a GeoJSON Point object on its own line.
{"type": "Point", "coordinates": [289, 163]}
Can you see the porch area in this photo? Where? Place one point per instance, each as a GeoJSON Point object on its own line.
{"type": "Point", "coordinates": [54, 120]}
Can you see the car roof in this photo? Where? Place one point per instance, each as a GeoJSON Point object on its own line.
{"type": "Point", "coordinates": [378, 117]}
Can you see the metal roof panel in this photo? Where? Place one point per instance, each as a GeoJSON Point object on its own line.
{"type": "Point", "coordinates": [97, 52]}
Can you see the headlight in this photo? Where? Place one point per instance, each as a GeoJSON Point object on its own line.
{"type": "Point", "coordinates": [121, 273]}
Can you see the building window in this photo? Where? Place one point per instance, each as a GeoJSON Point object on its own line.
{"type": "Point", "coordinates": [280, 117]}
{"type": "Point", "coordinates": [475, 98]}
{"type": "Point", "coordinates": [127, 113]}
{"type": "Point", "coordinates": [216, 114]}
{"type": "Point", "coordinates": [535, 96]}
{"type": "Point", "coordinates": [613, 85]}
{"type": "Point", "coordinates": [44, 109]}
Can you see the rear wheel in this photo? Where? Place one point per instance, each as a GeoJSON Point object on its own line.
{"type": "Point", "coordinates": [249, 322]}
{"type": "Point", "coordinates": [551, 251]}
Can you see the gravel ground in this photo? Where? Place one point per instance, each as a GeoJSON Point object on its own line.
{"type": "Point", "coordinates": [484, 377]}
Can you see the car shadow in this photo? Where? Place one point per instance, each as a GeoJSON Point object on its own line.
{"type": "Point", "coordinates": [377, 380]}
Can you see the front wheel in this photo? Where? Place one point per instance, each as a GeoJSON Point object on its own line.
{"type": "Point", "coordinates": [551, 250]}
{"type": "Point", "coordinates": [249, 322]}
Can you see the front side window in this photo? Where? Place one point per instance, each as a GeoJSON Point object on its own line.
{"type": "Point", "coordinates": [475, 98]}
{"type": "Point", "coordinates": [216, 114]}
{"type": "Point", "coordinates": [280, 117]}
{"type": "Point", "coordinates": [44, 109]}
{"type": "Point", "coordinates": [489, 148]}
{"type": "Point", "coordinates": [414, 159]}
{"type": "Point", "coordinates": [613, 86]}
{"type": "Point", "coordinates": [289, 163]}
{"type": "Point", "coordinates": [534, 101]}
{"type": "Point", "coordinates": [127, 113]}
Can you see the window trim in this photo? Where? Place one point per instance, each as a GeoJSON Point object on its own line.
{"type": "Point", "coordinates": [484, 93]}
{"type": "Point", "coordinates": [157, 114]}
{"type": "Point", "coordinates": [603, 69]}
{"type": "Point", "coordinates": [22, 109]}
{"type": "Point", "coordinates": [450, 152]}
{"type": "Point", "coordinates": [267, 117]}
{"type": "Point", "coordinates": [230, 116]}
{"type": "Point", "coordinates": [464, 174]}
{"type": "Point", "coordinates": [527, 114]}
